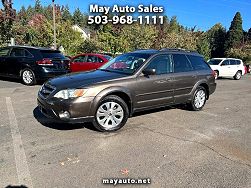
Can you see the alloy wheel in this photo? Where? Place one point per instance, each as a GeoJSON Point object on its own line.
{"type": "Point", "coordinates": [199, 99]}
{"type": "Point", "coordinates": [110, 115]}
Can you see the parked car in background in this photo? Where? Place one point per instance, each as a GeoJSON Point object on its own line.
{"type": "Point", "coordinates": [227, 67]}
{"type": "Point", "coordinates": [86, 62]}
{"type": "Point", "coordinates": [144, 79]}
{"type": "Point", "coordinates": [32, 63]}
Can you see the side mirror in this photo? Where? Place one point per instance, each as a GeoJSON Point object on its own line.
{"type": "Point", "coordinates": [149, 71]}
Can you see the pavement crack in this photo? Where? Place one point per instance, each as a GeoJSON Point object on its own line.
{"type": "Point", "coordinates": [199, 143]}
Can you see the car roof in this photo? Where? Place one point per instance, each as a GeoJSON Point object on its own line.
{"type": "Point", "coordinates": [226, 58]}
{"type": "Point", "coordinates": [31, 47]}
{"type": "Point", "coordinates": [167, 50]}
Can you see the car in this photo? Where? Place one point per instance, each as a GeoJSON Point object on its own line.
{"type": "Point", "coordinates": [108, 96]}
{"type": "Point", "coordinates": [227, 67]}
{"type": "Point", "coordinates": [89, 61]}
{"type": "Point", "coordinates": [32, 63]}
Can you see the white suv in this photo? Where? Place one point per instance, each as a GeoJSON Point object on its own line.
{"type": "Point", "coordinates": [227, 67]}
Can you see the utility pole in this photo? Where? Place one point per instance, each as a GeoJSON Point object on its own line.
{"type": "Point", "coordinates": [54, 25]}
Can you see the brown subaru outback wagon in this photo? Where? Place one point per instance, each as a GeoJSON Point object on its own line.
{"type": "Point", "coordinates": [129, 83]}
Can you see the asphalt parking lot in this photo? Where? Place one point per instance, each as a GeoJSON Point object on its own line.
{"type": "Point", "coordinates": [172, 146]}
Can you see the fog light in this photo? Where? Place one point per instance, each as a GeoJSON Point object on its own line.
{"type": "Point", "coordinates": [64, 115]}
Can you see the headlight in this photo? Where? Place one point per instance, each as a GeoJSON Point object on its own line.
{"type": "Point", "coordinates": [70, 93]}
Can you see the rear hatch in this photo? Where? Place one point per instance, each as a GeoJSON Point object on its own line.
{"type": "Point", "coordinates": [54, 59]}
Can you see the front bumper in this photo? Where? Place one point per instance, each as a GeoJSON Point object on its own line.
{"type": "Point", "coordinates": [79, 109]}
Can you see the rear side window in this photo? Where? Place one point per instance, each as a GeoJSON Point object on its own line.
{"type": "Point", "coordinates": [51, 54]}
{"type": "Point", "coordinates": [162, 64]}
{"type": "Point", "coordinates": [181, 63]}
{"type": "Point", "coordinates": [92, 59]}
{"type": "Point", "coordinates": [4, 52]}
{"type": "Point", "coordinates": [198, 63]}
{"type": "Point", "coordinates": [225, 63]}
{"type": "Point", "coordinates": [100, 60]}
{"type": "Point", "coordinates": [19, 52]}
{"type": "Point", "coordinates": [238, 62]}
{"type": "Point", "coordinates": [232, 62]}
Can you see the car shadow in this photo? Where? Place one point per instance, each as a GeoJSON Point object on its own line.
{"type": "Point", "coordinates": [16, 186]}
{"type": "Point", "coordinates": [53, 124]}
{"type": "Point", "coordinates": [8, 79]}
{"type": "Point", "coordinates": [16, 80]}
{"type": "Point", "coordinates": [161, 109]}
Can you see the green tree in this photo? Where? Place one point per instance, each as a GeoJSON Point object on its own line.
{"type": "Point", "coordinates": [66, 15]}
{"type": "Point", "coordinates": [203, 46]}
{"type": "Point", "coordinates": [78, 17]}
{"type": "Point", "coordinates": [235, 33]}
{"type": "Point", "coordinates": [68, 38]}
{"type": "Point", "coordinates": [249, 35]}
{"type": "Point", "coordinates": [217, 37]}
{"type": "Point", "coordinates": [38, 7]}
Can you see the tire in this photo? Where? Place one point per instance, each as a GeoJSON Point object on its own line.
{"type": "Point", "coordinates": [199, 99]}
{"type": "Point", "coordinates": [238, 75]}
{"type": "Point", "coordinates": [28, 77]}
{"type": "Point", "coordinates": [216, 75]}
{"type": "Point", "coordinates": [111, 107]}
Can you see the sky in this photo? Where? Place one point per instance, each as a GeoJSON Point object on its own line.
{"type": "Point", "coordinates": [200, 13]}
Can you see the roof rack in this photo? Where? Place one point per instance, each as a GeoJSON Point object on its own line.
{"type": "Point", "coordinates": [177, 49]}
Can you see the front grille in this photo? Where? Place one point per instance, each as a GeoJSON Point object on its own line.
{"type": "Point", "coordinates": [46, 90]}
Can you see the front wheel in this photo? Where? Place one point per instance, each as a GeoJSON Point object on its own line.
{"type": "Point", "coordinates": [199, 99]}
{"type": "Point", "coordinates": [238, 75]}
{"type": "Point", "coordinates": [28, 77]}
{"type": "Point", "coordinates": [111, 115]}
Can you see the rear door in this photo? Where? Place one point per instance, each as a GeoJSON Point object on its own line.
{"type": "Point", "coordinates": [225, 68]}
{"type": "Point", "coordinates": [185, 78]}
{"type": "Point", "coordinates": [92, 62]}
{"type": "Point", "coordinates": [78, 64]}
{"type": "Point", "coordinates": [4, 52]}
{"type": "Point", "coordinates": [234, 67]}
{"type": "Point", "coordinates": [99, 62]}
{"type": "Point", "coordinates": [156, 90]}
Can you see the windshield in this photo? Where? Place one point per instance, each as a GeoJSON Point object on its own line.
{"type": "Point", "coordinates": [108, 57]}
{"type": "Point", "coordinates": [126, 63]}
{"type": "Point", "coordinates": [214, 61]}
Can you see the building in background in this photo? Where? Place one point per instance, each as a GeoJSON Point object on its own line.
{"type": "Point", "coordinates": [85, 33]}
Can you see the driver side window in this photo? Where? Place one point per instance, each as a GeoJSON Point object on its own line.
{"type": "Point", "coordinates": [161, 63]}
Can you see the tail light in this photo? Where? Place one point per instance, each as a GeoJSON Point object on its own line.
{"type": "Point", "coordinates": [45, 61]}
{"type": "Point", "coordinates": [213, 73]}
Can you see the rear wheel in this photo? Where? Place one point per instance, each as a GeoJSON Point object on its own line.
{"type": "Point", "coordinates": [199, 99]}
{"type": "Point", "coordinates": [111, 115]}
{"type": "Point", "coordinates": [28, 77]}
{"type": "Point", "coordinates": [238, 75]}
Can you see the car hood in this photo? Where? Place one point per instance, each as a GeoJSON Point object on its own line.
{"type": "Point", "coordinates": [83, 79]}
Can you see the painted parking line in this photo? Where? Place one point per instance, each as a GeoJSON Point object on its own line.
{"type": "Point", "coordinates": [208, 113]}
{"type": "Point", "coordinates": [23, 173]}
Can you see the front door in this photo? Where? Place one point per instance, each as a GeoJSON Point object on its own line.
{"type": "Point", "coordinates": [155, 90]}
